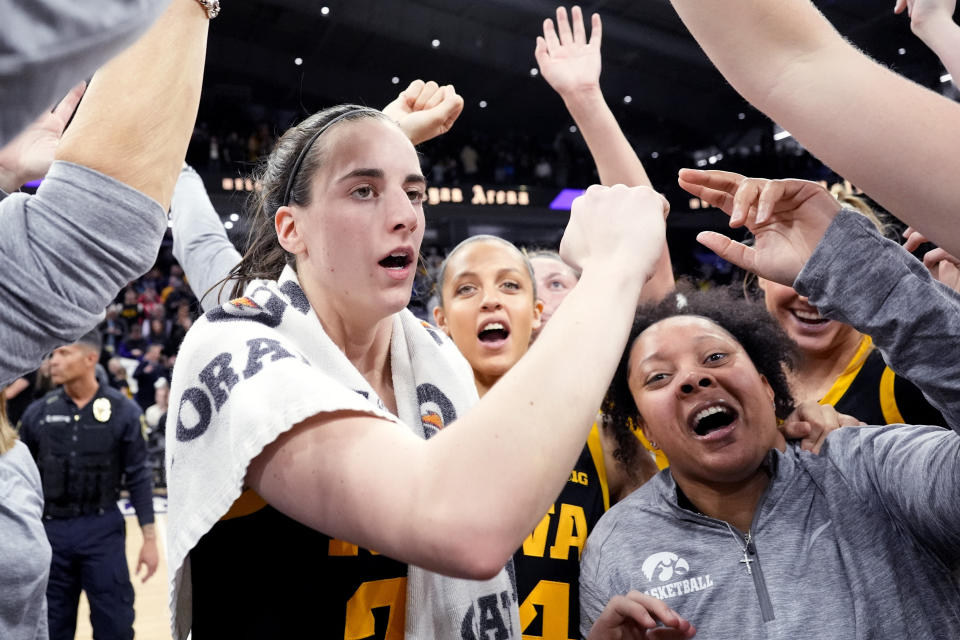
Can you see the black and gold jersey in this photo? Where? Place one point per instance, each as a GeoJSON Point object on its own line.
{"type": "Point", "coordinates": [871, 392]}
{"type": "Point", "coordinates": [548, 563]}
{"type": "Point", "coordinates": [259, 574]}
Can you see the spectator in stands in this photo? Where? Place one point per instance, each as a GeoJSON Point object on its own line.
{"type": "Point", "coordinates": [117, 376]}
{"type": "Point", "coordinates": [132, 311]}
{"type": "Point", "coordinates": [133, 345]}
{"type": "Point", "coordinates": [151, 369]}
{"type": "Point", "coordinates": [113, 328]}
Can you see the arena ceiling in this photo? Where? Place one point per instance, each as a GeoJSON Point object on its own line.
{"type": "Point", "coordinates": [352, 49]}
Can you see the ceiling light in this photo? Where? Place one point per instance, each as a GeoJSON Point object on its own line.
{"type": "Point", "coordinates": [435, 43]}
{"type": "Point", "coordinates": [483, 104]}
{"type": "Point", "coordinates": [946, 77]}
{"type": "Point", "coordinates": [627, 99]}
{"type": "Point", "coordinates": [324, 10]}
{"type": "Point", "coordinates": [741, 116]}
{"type": "Point", "coordinates": [394, 80]}
{"type": "Point", "coordinates": [298, 61]}
{"type": "Point", "coordinates": [234, 217]}
{"type": "Point", "coordinates": [573, 128]}
{"type": "Point", "coordinates": [901, 51]}
{"type": "Point", "coordinates": [228, 225]}
{"type": "Point", "coordinates": [781, 135]}
{"type": "Point", "coordinates": [655, 155]}
{"type": "Point", "coordinates": [534, 71]}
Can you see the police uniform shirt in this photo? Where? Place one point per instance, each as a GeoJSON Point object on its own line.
{"type": "Point", "coordinates": [260, 574]}
{"type": "Point", "coordinates": [86, 454]}
{"type": "Point", "coordinates": [548, 563]}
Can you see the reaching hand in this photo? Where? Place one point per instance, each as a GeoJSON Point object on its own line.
{"type": "Point", "coordinates": [811, 423]}
{"type": "Point", "coordinates": [29, 155]}
{"type": "Point", "coordinates": [787, 217]}
{"type": "Point", "coordinates": [625, 225]}
{"type": "Point", "coordinates": [636, 615]}
{"type": "Point", "coordinates": [425, 110]}
{"type": "Point", "coordinates": [570, 62]}
{"type": "Point", "coordinates": [924, 12]}
{"type": "Point", "coordinates": [149, 558]}
{"type": "Point", "coordinates": [943, 266]}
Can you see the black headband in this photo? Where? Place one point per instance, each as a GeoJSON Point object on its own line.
{"type": "Point", "coordinates": [313, 138]}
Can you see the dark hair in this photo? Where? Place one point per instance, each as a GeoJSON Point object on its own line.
{"type": "Point", "coordinates": [91, 340]}
{"type": "Point", "coordinates": [767, 345]}
{"type": "Point", "coordinates": [291, 157]}
{"type": "Point", "coordinates": [442, 274]}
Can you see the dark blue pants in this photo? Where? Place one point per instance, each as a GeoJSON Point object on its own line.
{"type": "Point", "coordinates": [89, 555]}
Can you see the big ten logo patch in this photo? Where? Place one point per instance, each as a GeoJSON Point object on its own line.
{"type": "Point", "coordinates": [217, 380]}
{"type": "Point", "coordinates": [489, 618]}
{"type": "Point", "coordinates": [580, 477]}
{"type": "Point", "coordinates": [436, 410]}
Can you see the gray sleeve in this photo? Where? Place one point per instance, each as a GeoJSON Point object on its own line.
{"type": "Point", "coordinates": [47, 46]}
{"type": "Point", "coordinates": [860, 278]}
{"type": "Point", "coordinates": [593, 594]}
{"type": "Point", "coordinates": [909, 472]}
{"type": "Point", "coordinates": [200, 243]}
{"type": "Point", "coordinates": [64, 254]}
{"type": "Point", "coordinates": [873, 284]}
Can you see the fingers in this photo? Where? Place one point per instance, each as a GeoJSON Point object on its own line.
{"type": "Point", "coordinates": [772, 192]}
{"type": "Point", "coordinates": [439, 96]}
{"type": "Point", "coordinates": [550, 35]}
{"type": "Point", "coordinates": [579, 32]}
{"type": "Point", "coordinates": [426, 93]}
{"type": "Point", "coordinates": [412, 91]}
{"type": "Point", "coordinates": [717, 188]}
{"type": "Point", "coordinates": [730, 250]}
{"type": "Point", "coordinates": [596, 30]}
{"type": "Point", "coordinates": [540, 53]}
{"type": "Point", "coordinates": [900, 6]}
{"type": "Point", "coordinates": [948, 273]}
{"type": "Point", "coordinates": [914, 239]}
{"type": "Point", "coordinates": [935, 256]}
{"type": "Point", "coordinates": [563, 27]}
{"type": "Point", "coordinates": [68, 105]}
{"type": "Point", "coordinates": [744, 200]}
{"type": "Point", "coordinates": [850, 421]}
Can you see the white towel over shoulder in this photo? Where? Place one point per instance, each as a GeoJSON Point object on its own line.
{"type": "Point", "coordinates": [250, 370]}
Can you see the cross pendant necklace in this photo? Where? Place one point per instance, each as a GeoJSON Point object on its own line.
{"type": "Point", "coordinates": [743, 548]}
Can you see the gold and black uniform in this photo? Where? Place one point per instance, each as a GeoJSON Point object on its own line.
{"type": "Point", "coordinates": [870, 391]}
{"type": "Point", "coordinates": [548, 563]}
{"type": "Point", "coordinates": [307, 585]}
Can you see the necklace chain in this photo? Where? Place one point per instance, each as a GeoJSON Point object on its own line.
{"type": "Point", "coordinates": [743, 547]}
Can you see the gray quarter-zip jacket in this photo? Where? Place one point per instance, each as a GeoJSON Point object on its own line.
{"type": "Point", "coordinates": [862, 541]}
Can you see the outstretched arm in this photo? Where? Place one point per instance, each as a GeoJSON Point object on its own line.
{"type": "Point", "coordinates": [29, 155]}
{"type": "Point", "coordinates": [570, 63]}
{"type": "Point", "coordinates": [789, 62]}
{"type": "Point", "coordinates": [200, 243]}
{"type": "Point", "coordinates": [420, 501]}
{"type": "Point", "coordinates": [149, 94]}
{"type": "Point", "coordinates": [932, 22]}
{"type": "Point", "coordinates": [424, 110]}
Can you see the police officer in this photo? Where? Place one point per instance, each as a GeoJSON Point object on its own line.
{"type": "Point", "coordinates": [87, 441]}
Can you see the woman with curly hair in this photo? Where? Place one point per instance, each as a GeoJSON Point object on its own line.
{"type": "Point", "coordinates": [747, 535]}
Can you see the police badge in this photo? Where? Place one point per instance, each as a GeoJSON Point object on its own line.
{"type": "Point", "coordinates": [101, 409]}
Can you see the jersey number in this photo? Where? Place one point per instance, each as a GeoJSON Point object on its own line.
{"type": "Point", "coordinates": [360, 622]}
{"type": "Point", "coordinates": [554, 597]}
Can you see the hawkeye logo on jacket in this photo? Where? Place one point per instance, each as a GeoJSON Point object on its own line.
{"type": "Point", "coordinates": [670, 568]}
